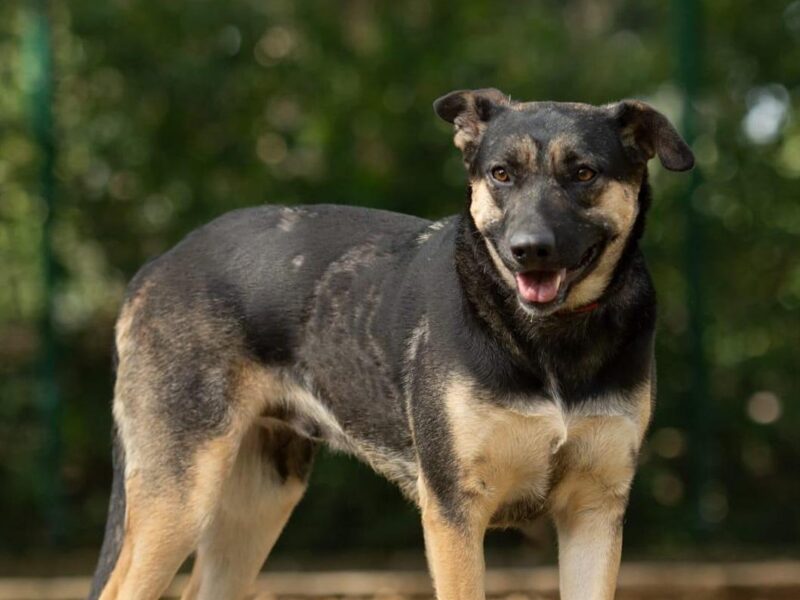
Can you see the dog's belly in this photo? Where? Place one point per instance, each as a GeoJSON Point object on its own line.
{"type": "Point", "coordinates": [295, 404]}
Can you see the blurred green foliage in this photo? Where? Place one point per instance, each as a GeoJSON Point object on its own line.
{"type": "Point", "coordinates": [170, 113]}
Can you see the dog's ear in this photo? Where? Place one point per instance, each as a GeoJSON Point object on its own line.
{"type": "Point", "coordinates": [645, 133]}
{"type": "Point", "coordinates": [470, 111]}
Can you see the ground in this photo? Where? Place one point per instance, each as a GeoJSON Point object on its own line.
{"type": "Point", "coordinates": [775, 580]}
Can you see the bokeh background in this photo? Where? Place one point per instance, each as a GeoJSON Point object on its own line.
{"type": "Point", "coordinates": [125, 124]}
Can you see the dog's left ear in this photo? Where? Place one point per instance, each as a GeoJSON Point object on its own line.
{"type": "Point", "coordinates": [645, 132]}
{"type": "Point", "coordinates": [470, 111]}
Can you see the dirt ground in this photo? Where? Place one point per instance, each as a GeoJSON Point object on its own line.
{"type": "Point", "coordinates": [777, 580]}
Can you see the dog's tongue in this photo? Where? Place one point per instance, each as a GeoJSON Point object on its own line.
{"type": "Point", "coordinates": [540, 286]}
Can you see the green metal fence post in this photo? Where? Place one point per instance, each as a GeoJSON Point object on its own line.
{"type": "Point", "coordinates": [38, 73]}
{"type": "Point", "coordinates": [688, 19]}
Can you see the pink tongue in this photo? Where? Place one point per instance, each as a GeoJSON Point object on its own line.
{"type": "Point", "coordinates": [540, 286]}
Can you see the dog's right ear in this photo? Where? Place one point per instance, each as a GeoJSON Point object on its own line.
{"type": "Point", "coordinates": [470, 111]}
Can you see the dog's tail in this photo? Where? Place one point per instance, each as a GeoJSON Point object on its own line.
{"type": "Point", "coordinates": [115, 523]}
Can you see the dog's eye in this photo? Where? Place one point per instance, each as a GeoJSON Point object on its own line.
{"type": "Point", "coordinates": [501, 175]}
{"type": "Point", "coordinates": [585, 174]}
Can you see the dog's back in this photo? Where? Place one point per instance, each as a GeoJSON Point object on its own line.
{"type": "Point", "coordinates": [263, 266]}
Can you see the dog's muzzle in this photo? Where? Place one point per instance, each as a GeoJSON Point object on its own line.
{"type": "Point", "coordinates": [543, 282]}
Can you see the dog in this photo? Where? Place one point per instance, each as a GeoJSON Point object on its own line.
{"type": "Point", "coordinates": [496, 365]}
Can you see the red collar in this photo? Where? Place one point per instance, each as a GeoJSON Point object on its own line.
{"type": "Point", "coordinates": [586, 308]}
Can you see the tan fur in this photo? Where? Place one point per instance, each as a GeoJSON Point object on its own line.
{"type": "Point", "coordinates": [628, 138]}
{"type": "Point", "coordinates": [598, 458]}
{"type": "Point", "coordinates": [588, 505]}
{"type": "Point", "coordinates": [589, 551]}
{"type": "Point", "coordinates": [482, 207]}
{"type": "Point", "coordinates": [123, 331]}
{"type": "Point", "coordinates": [504, 454]}
{"type": "Point", "coordinates": [469, 128]}
{"type": "Point", "coordinates": [166, 515]}
{"type": "Point", "coordinates": [631, 135]}
{"type": "Point", "coordinates": [559, 147]}
{"type": "Point", "coordinates": [505, 273]}
{"type": "Point", "coordinates": [121, 567]}
{"type": "Point", "coordinates": [163, 522]}
{"type": "Point", "coordinates": [455, 554]}
{"type": "Point", "coordinates": [251, 513]}
{"type": "Point", "coordinates": [135, 528]}
{"type": "Point", "coordinates": [589, 501]}
{"type": "Point", "coordinates": [617, 205]}
{"type": "Point", "coordinates": [485, 212]}
{"type": "Point", "coordinates": [526, 151]}
{"type": "Point", "coordinates": [468, 131]}
{"type": "Point", "coordinates": [465, 136]}
{"type": "Point", "coordinates": [514, 452]}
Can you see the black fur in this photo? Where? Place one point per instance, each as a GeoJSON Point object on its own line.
{"type": "Point", "coordinates": [115, 525]}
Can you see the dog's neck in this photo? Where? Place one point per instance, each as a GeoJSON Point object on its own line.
{"type": "Point", "coordinates": [495, 305]}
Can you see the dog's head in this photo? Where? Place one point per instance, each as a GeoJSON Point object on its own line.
{"type": "Point", "coordinates": [555, 187]}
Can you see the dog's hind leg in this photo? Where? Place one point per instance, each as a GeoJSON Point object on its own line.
{"type": "Point", "coordinates": [166, 514]}
{"type": "Point", "coordinates": [164, 518]}
{"type": "Point", "coordinates": [267, 481]}
{"type": "Point", "coordinates": [183, 403]}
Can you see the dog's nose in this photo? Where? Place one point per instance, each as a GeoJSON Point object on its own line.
{"type": "Point", "coordinates": [528, 248]}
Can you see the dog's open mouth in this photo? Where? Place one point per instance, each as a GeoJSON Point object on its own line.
{"type": "Point", "coordinates": [543, 286]}
{"type": "Point", "coordinates": [540, 286]}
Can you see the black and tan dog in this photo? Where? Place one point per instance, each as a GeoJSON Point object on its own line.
{"type": "Point", "coordinates": [496, 365]}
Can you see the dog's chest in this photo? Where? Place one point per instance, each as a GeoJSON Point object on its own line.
{"type": "Point", "coordinates": [512, 458]}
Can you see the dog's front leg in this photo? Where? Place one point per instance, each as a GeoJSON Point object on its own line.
{"type": "Point", "coordinates": [588, 506]}
{"type": "Point", "coordinates": [588, 503]}
{"type": "Point", "coordinates": [454, 547]}
{"type": "Point", "coordinates": [589, 548]}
